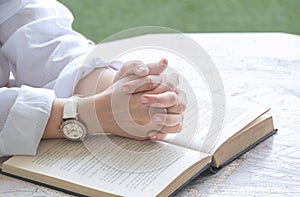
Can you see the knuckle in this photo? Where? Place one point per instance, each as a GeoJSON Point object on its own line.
{"type": "Point", "coordinates": [136, 63]}
{"type": "Point", "coordinates": [182, 118]}
{"type": "Point", "coordinates": [131, 65]}
{"type": "Point", "coordinates": [172, 97]}
{"type": "Point", "coordinates": [169, 85]}
{"type": "Point", "coordinates": [182, 106]}
{"type": "Point", "coordinates": [157, 100]}
{"type": "Point", "coordinates": [150, 82]}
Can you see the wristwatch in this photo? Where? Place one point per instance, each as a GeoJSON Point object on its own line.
{"type": "Point", "coordinates": [71, 128]}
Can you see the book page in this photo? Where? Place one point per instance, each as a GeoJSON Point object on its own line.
{"type": "Point", "coordinates": [205, 137]}
{"type": "Point", "coordinates": [211, 115]}
{"type": "Point", "coordinates": [110, 163]}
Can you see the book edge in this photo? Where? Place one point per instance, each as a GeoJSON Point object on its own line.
{"type": "Point", "coordinates": [190, 180]}
{"type": "Point", "coordinates": [214, 169]}
{"type": "Point", "coordinates": [41, 184]}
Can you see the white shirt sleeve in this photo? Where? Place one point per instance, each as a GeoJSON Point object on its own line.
{"type": "Point", "coordinates": [26, 120]}
{"type": "Point", "coordinates": [40, 48]}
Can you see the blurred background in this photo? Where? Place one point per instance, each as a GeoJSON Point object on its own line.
{"type": "Point", "coordinates": [98, 19]}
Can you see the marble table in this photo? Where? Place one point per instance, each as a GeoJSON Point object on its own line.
{"type": "Point", "coordinates": [265, 68]}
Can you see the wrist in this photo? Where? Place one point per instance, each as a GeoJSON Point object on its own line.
{"type": "Point", "coordinates": [87, 114]}
{"type": "Point", "coordinates": [52, 129]}
{"type": "Point", "coordinates": [71, 127]}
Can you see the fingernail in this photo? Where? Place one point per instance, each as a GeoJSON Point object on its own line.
{"type": "Point", "coordinates": [163, 61]}
{"type": "Point", "coordinates": [152, 135]}
{"type": "Point", "coordinates": [144, 100]}
{"type": "Point", "coordinates": [125, 89]}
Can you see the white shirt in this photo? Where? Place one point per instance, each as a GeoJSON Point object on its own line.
{"type": "Point", "coordinates": [45, 56]}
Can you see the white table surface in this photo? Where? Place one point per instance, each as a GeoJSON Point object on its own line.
{"type": "Point", "coordinates": [265, 68]}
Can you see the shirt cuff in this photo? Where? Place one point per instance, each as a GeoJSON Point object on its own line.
{"type": "Point", "coordinates": [77, 69]}
{"type": "Point", "coordinates": [26, 121]}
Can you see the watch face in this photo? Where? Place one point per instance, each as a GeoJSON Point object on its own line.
{"type": "Point", "coordinates": [73, 130]}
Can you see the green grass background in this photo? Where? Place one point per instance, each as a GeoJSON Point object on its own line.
{"type": "Point", "coordinates": [98, 19]}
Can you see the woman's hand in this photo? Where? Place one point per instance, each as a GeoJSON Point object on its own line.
{"type": "Point", "coordinates": [102, 78]}
{"type": "Point", "coordinates": [141, 103]}
{"type": "Point", "coordinates": [166, 96]}
{"type": "Point", "coordinates": [162, 93]}
{"type": "Point", "coordinates": [174, 102]}
{"type": "Point", "coordinates": [142, 115]}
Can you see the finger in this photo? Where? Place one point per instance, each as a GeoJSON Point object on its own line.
{"type": "Point", "coordinates": [160, 135]}
{"type": "Point", "coordinates": [154, 135]}
{"type": "Point", "coordinates": [142, 84]}
{"type": "Point", "coordinates": [173, 129]}
{"type": "Point", "coordinates": [180, 106]}
{"type": "Point", "coordinates": [168, 120]}
{"type": "Point", "coordinates": [138, 68]}
{"type": "Point", "coordinates": [132, 67]}
{"type": "Point", "coordinates": [157, 68]}
{"type": "Point", "coordinates": [168, 84]}
{"type": "Point", "coordinates": [165, 99]}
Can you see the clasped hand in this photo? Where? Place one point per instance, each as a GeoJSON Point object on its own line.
{"type": "Point", "coordinates": [142, 102]}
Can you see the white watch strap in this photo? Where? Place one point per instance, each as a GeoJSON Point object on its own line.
{"type": "Point", "coordinates": [70, 108]}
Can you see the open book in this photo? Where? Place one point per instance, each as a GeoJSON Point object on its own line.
{"type": "Point", "coordinates": [107, 165]}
